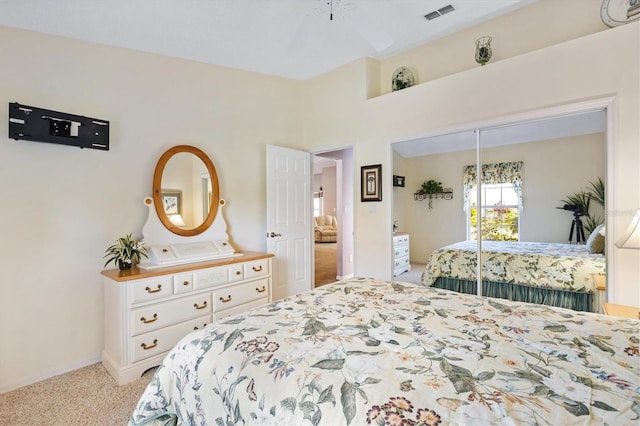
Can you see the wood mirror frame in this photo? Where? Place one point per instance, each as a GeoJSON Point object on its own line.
{"type": "Point", "coordinates": [157, 190]}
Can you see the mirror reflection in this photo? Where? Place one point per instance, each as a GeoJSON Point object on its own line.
{"type": "Point", "coordinates": [541, 181]}
{"type": "Point", "coordinates": [185, 190]}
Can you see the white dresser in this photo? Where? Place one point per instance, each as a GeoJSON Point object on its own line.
{"type": "Point", "coordinates": [146, 312]}
{"type": "Point", "coordinates": [401, 262]}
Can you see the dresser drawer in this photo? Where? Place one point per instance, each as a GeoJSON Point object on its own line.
{"type": "Point", "coordinates": [401, 262]}
{"type": "Point", "coordinates": [153, 288]}
{"type": "Point", "coordinates": [400, 251]}
{"type": "Point", "coordinates": [236, 272]}
{"type": "Point", "coordinates": [239, 309]}
{"type": "Point", "coordinates": [257, 268]}
{"type": "Point", "coordinates": [399, 240]}
{"type": "Point", "coordinates": [210, 277]}
{"type": "Point", "coordinates": [162, 340]}
{"type": "Point", "coordinates": [235, 295]}
{"type": "Point", "coordinates": [153, 317]}
{"type": "Point", "coordinates": [183, 283]}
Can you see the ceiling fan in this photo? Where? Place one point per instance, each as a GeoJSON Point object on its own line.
{"type": "Point", "coordinates": [345, 17]}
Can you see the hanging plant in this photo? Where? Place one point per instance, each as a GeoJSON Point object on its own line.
{"type": "Point", "coordinates": [431, 187]}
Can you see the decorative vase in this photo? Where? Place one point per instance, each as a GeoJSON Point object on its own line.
{"type": "Point", "coordinates": [123, 265]}
{"type": "Point", "coordinates": [483, 50]}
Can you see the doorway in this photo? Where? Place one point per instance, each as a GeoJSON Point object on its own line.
{"type": "Point", "coordinates": [332, 187]}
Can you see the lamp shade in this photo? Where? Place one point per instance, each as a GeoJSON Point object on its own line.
{"type": "Point", "coordinates": [631, 238]}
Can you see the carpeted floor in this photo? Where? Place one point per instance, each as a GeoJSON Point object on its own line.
{"type": "Point", "coordinates": [326, 263]}
{"type": "Point", "coordinates": [413, 276]}
{"type": "Point", "coordinates": [87, 396]}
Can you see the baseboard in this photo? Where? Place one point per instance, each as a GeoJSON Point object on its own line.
{"type": "Point", "coordinates": [29, 380]}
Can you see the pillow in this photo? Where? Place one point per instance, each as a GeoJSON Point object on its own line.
{"type": "Point", "coordinates": [595, 242]}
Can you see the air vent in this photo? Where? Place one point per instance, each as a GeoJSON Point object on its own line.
{"type": "Point", "coordinates": [437, 13]}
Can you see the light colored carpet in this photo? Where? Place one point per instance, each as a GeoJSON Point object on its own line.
{"type": "Point", "coordinates": [413, 276]}
{"type": "Point", "coordinates": [326, 263]}
{"type": "Point", "coordinates": [87, 396]}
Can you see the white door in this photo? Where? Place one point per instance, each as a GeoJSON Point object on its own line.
{"type": "Point", "coordinates": [289, 229]}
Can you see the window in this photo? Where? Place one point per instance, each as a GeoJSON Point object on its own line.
{"type": "Point", "coordinates": [501, 186]}
{"type": "Point", "coordinates": [499, 212]}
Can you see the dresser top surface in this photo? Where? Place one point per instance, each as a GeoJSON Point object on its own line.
{"type": "Point", "coordinates": [136, 273]}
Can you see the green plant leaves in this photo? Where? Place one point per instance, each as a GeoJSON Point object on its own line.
{"type": "Point", "coordinates": [431, 186]}
{"type": "Point", "coordinates": [126, 249]}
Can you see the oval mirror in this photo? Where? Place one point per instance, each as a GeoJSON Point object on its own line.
{"type": "Point", "coordinates": [185, 190]}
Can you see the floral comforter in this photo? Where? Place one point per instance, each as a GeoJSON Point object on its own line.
{"type": "Point", "coordinates": [365, 351]}
{"type": "Point", "coordinates": [549, 265]}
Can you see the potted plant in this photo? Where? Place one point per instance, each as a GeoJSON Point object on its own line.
{"type": "Point", "coordinates": [125, 252]}
{"type": "Point", "coordinates": [431, 187]}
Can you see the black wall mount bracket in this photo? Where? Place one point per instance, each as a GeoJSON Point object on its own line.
{"type": "Point", "coordinates": [43, 125]}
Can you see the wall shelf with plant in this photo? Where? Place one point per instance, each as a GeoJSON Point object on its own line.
{"type": "Point", "coordinates": [431, 189]}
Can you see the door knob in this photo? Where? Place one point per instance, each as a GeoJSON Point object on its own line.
{"type": "Point", "coordinates": [273, 234]}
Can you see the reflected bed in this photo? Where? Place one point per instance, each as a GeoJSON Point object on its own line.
{"type": "Point", "coordinates": [546, 273]}
{"type": "Point", "coordinates": [367, 351]}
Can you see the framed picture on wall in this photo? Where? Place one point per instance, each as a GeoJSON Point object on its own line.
{"type": "Point", "coordinates": [371, 183]}
{"type": "Point", "coordinates": [398, 181]}
{"type": "Point", "coordinates": [172, 201]}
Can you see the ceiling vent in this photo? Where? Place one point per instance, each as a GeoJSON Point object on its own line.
{"type": "Point", "coordinates": [437, 13]}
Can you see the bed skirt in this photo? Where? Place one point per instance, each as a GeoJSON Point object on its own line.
{"type": "Point", "coordinates": [576, 300]}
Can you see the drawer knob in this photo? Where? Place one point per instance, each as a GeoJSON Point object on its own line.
{"type": "Point", "coordinates": [185, 283]}
{"type": "Point", "coordinates": [147, 321]}
{"type": "Point", "coordinates": [154, 291]}
{"type": "Point", "coordinates": [204, 305]}
{"type": "Point", "coordinates": [228, 299]}
{"type": "Point", "coordinates": [261, 290]}
{"type": "Point", "coordinates": [238, 273]}
{"type": "Point", "coordinates": [198, 328]}
{"type": "Point", "coordinates": [258, 269]}
{"type": "Point", "coordinates": [145, 347]}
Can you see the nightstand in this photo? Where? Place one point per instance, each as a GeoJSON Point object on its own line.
{"type": "Point", "coordinates": [621, 311]}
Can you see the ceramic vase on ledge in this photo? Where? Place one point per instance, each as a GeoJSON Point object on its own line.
{"type": "Point", "coordinates": [483, 50]}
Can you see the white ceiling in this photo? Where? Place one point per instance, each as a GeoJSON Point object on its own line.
{"type": "Point", "coordinates": [288, 38]}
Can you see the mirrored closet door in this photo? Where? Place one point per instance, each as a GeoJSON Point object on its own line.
{"type": "Point", "coordinates": [541, 183]}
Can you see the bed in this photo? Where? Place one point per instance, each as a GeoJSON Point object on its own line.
{"type": "Point", "coordinates": [547, 273]}
{"type": "Point", "coordinates": [366, 351]}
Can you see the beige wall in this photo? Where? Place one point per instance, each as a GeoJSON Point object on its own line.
{"type": "Point", "coordinates": [64, 206]}
{"type": "Point", "coordinates": [552, 170]}
{"type": "Point", "coordinates": [540, 25]}
{"type": "Point", "coordinates": [566, 73]}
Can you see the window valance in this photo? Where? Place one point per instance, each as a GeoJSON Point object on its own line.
{"type": "Point", "coordinates": [494, 173]}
